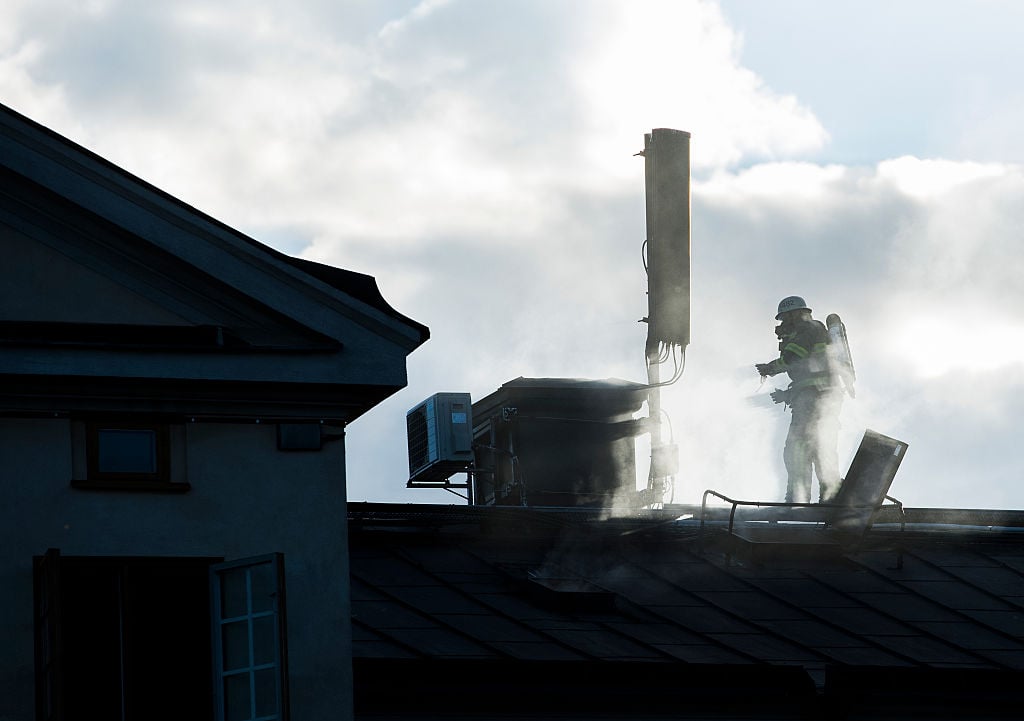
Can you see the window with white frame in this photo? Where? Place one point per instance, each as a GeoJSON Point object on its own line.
{"type": "Point", "coordinates": [249, 639]}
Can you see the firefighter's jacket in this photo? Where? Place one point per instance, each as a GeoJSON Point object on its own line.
{"type": "Point", "coordinates": [803, 354]}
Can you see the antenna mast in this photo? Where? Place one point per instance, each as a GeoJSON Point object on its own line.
{"type": "Point", "coordinates": [667, 259]}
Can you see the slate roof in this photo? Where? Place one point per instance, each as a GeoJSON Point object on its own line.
{"type": "Point", "coordinates": [567, 585]}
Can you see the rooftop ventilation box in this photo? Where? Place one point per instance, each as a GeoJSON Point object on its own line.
{"type": "Point", "coordinates": [557, 442]}
{"type": "Point", "coordinates": [440, 437]}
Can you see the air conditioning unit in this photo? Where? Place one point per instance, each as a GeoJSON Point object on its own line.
{"type": "Point", "coordinates": [440, 437]}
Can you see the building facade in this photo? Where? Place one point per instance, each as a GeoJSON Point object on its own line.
{"type": "Point", "coordinates": [173, 404]}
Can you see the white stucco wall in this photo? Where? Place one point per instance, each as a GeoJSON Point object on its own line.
{"type": "Point", "coordinates": [247, 498]}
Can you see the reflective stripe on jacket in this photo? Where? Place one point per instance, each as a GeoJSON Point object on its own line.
{"type": "Point", "coordinates": [803, 354]}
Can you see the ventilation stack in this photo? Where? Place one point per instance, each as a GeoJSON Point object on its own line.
{"type": "Point", "coordinates": [557, 442]}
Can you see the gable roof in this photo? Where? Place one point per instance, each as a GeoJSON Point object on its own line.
{"type": "Point", "coordinates": [106, 274]}
{"type": "Point", "coordinates": [520, 586]}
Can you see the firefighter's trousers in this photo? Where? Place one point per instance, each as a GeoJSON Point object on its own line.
{"type": "Point", "coordinates": [811, 445]}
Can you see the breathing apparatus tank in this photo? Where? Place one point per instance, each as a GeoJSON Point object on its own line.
{"type": "Point", "coordinates": [839, 353]}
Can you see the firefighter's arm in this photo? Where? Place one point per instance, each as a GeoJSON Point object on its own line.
{"type": "Point", "coordinates": [791, 353]}
{"type": "Point", "coordinates": [771, 368]}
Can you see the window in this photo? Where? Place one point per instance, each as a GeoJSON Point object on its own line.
{"type": "Point", "coordinates": [128, 452]}
{"type": "Point", "coordinates": [249, 647]}
{"type": "Point", "coordinates": [123, 638]}
{"type": "Point", "coordinates": [131, 638]}
{"type": "Point", "coordinates": [128, 455]}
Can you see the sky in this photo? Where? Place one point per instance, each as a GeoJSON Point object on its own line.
{"type": "Point", "coordinates": [478, 158]}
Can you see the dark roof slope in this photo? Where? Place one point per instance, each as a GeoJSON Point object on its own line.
{"type": "Point", "coordinates": [513, 585]}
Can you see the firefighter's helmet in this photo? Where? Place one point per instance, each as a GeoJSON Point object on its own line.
{"type": "Point", "coordinates": [793, 302]}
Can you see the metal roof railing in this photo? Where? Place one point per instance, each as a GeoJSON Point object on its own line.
{"type": "Point", "coordinates": [828, 515]}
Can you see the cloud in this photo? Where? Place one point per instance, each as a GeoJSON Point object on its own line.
{"type": "Point", "coordinates": [938, 352]}
{"type": "Point", "coordinates": [478, 159]}
{"type": "Point", "coordinates": [930, 178]}
{"type": "Point", "coordinates": [422, 10]}
{"type": "Point", "coordinates": [439, 117]}
{"type": "Point", "coordinates": [676, 65]}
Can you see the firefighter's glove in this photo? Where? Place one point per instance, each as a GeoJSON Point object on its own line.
{"type": "Point", "coordinates": [763, 369]}
{"type": "Point", "coordinates": [780, 396]}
